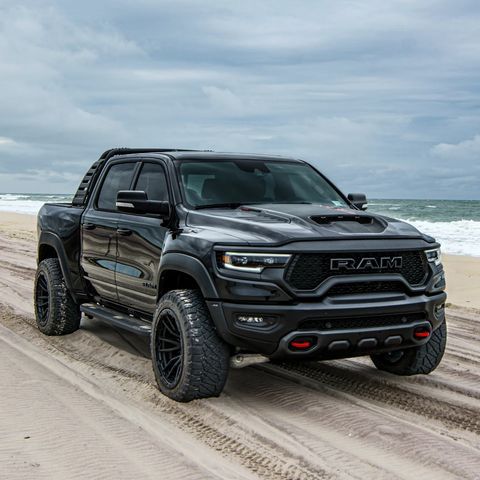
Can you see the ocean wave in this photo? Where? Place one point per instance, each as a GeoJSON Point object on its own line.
{"type": "Point", "coordinates": [28, 203]}
{"type": "Point", "coordinates": [12, 197]}
{"type": "Point", "coordinates": [378, 204]}
{"type": "Point", "coordinates": [21, 206]}
{"type": "Point", "coordinates": [460, 237]}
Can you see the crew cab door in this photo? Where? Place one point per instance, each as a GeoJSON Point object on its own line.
{"type": "Point", "coordinates": [99, 230]}
{"type": "Point", "coordinates": [140, 243]}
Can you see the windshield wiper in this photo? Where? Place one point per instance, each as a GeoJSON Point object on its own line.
{"type": "Point", "coordinates": [225, 205]}
{"type": "Point", "coordinates": [291, 203]}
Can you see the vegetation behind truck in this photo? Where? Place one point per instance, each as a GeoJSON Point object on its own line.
{"type": "Point", "coordinates": [214, 254]}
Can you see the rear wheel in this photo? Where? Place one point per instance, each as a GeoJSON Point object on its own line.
{"type": "Point", "coordinates": [412, 361]}
{"type": "Point", "coordinates": [55, 310]}
{"type": "Point", "coordinates": [190, 360]}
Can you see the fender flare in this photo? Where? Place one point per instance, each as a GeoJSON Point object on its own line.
{"type": "Point", "coordinates": [53, 240]}
{"type": "Point", "coordinates": [191, 266]}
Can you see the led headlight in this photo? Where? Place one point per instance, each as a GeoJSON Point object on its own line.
{"type": "Point", "coordinates": [252, 262]}
{"type": "Point", "coordinates": [434, 256]}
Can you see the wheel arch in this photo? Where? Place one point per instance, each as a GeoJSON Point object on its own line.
{"type": "Point", "coordinates": [179, 270]}
{"type": "Point", "coordinates": [51, 246]}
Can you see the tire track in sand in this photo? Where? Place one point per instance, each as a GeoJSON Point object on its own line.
{"type": "Point", "coordinates": [258, 454]}
{"type": "Point", "coordinates": [451, 415]}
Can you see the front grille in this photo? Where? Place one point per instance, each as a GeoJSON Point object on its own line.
{"type": "Point", "coordinates": [361, 322]}
{"type": "Point", "coordinates": [366, 287]}
{"type": "Point", "coordinates": [307, 271]}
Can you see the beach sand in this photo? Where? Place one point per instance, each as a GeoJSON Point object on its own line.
{"type": "Point", "coordinates": [85, 405]}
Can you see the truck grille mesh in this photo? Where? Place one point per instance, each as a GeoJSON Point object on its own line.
{"type": "Point", "coordinates": [361, 322]}
{"type": "Point", "coordinates": [366, 287]}
{"type": "Point", "coordinates": [307, 271]}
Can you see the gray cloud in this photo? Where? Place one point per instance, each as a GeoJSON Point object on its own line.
{"type": "Point", "coordinates": [465, 150]}
{"type": "Point", "coordinates": [383, 96]}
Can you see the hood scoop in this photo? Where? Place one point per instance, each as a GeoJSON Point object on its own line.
{"type": "Point", "coordinates": [342, 223]}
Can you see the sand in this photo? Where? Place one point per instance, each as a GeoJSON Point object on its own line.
{"type": "Point", "coordinates": [85, 405]}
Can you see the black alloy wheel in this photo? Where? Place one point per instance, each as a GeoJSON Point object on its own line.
{"type": "Point", "coordinates": [42, 299]}
{"type": "Point", "coordinates": [169, 349]}
{"type": "Point", "coordinates": [56, 312]}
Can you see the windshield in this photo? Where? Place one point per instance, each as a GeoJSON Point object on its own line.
{"type": "Point", "coordinates": [231, 183]}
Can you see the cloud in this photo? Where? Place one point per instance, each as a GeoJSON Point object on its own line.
{"type": "Point", "coordinates": [224, 100]}
{"type": "Point", "coordinates": [380, 95]}
{"type": "Point", "coordinates": [6, 141]}
{"type": "Point", "coordinates": [46, 61]}
{"type": "Point", "coordinates": [465, 150]}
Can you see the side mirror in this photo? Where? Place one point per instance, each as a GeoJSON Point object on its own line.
{"type": "Point", "coordinates": [359, 200]}
{"type": "Point", "coordinates": [136, 201]}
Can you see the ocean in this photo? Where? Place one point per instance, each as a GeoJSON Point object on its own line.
{"type": "Point", "coordinates": [454, 223]}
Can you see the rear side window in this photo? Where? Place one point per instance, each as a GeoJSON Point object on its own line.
{"type": "Point", "coordinates": [119, 177]}
{"type": "Point", "coordinates": [153, 182]}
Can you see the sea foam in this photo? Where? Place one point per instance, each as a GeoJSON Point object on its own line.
{"type": "Point", "coordinates": [460, 237]}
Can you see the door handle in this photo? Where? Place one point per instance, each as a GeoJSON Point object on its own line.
{"type": "Point", "coordinates": [89, 226]}
{"type": "Point", "coordinates": [124, 232]}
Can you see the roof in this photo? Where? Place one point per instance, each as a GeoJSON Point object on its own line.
{"type": "Point", "coordinates": [179, 154]}
{"type": "Point", "coordinates": [209, 155]}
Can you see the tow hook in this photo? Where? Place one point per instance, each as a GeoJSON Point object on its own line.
{"type": "Point", "coordinates": [421, 333]}
{"type": "Point", "coordinates": [242, 360]}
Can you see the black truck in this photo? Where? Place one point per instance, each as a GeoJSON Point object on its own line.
{"type": "Point", "coordinates": [216, 255]}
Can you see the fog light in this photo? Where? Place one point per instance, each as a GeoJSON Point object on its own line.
{"type": "Point", "coordinates": [255, 320]}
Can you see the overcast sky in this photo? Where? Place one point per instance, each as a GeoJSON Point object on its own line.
{"type": "Point", "coordinates": [384, 96]}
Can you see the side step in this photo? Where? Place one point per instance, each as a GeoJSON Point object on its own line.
{"type": "Point", "coordinates": [120, 320]}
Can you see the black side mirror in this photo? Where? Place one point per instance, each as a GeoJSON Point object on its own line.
{"type": "Point", "coordinates": [136, 201]}
{"type": "Point", "coordinates": [359, 200]}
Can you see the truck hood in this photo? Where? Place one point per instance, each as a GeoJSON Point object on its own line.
{"type": "Point", "coordinates": [285, 223]}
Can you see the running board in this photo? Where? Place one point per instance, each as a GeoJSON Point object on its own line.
{"type": "Point", "coordinates": [117, 319]}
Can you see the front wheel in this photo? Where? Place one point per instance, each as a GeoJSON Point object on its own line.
{"type": "Point", "coordinates": [190, 360]}
{"type": "Point", "coordinates": [417, 360]}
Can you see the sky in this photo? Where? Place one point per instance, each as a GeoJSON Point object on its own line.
{"type": "Point", "coordinates": [384, 97]}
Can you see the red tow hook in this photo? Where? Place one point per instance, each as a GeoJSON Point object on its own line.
{"type": "Point", "coordinates": [301, 343]}
{"type": "Point", "coordinates": [421, 333]}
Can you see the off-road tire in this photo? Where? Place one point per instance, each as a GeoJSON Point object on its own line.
{"type": "Point", "coordinates": [204, 355]}
{"type": "Point", "coordinates": [55, 310]}
{"type": "Point", "coordinates": [417, 360]}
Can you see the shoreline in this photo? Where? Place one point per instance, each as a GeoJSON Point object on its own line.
{"type": "Point", "coordinates": [462, 272]}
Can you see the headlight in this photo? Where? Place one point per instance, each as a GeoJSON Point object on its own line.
{"type": "Point", "coordinates": [434, 256]}
{"type": "Point", "coordinates": [252, 262]}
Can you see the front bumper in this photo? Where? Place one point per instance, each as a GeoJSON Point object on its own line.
{"type": "Point", "coordinates": [332, 335]}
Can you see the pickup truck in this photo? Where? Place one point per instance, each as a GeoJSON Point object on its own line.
{"type": "Point", "coordinates": [218, 255]}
